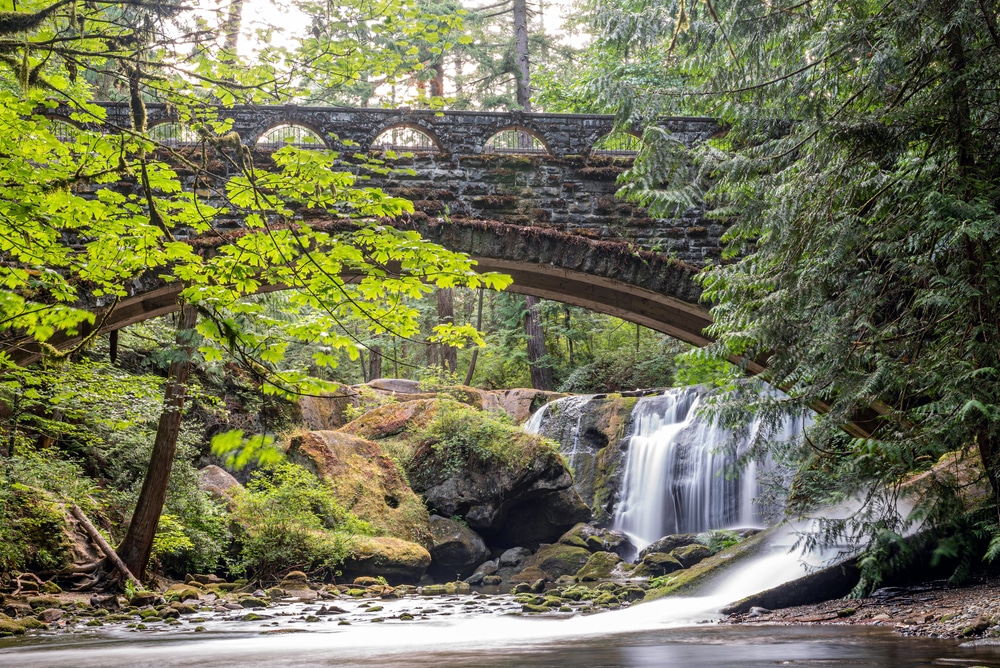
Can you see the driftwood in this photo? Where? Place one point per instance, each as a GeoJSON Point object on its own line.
{"type": "Point", "coordinates": [103, 544]}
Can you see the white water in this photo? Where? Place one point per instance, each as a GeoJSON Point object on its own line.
{"type": "Point", "coordinates": [680, 476]}
{"type": "Point", "coordinates": [570, 443]}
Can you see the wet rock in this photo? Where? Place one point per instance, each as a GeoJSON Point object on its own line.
{"type": "Point", "coordinates": [555, 560]}
{"type": "Point", "coordinates": [824, 585]}
{"type": "Point", "coordinates": [978, 625]}
{"type": "Point", "coordinates": [143, 598]}
{"type": "Point", "coordinates": [492, 580]}
{"type": "Point", "coordinates": [455, 548]}
{"type": "Point", "coordinates": [109, 602]}
{"type": "Point", "coordinates": [657, 563]}
{"type": "Point", "coordinates": [181, 592]}
{"type": "Point", "coordinates": [668, 544]}
{"type": "Point", "coordinates": [50, 615]}
{"type": "Point", "coordinates": [690, 555]}
{"type": "Point", "coordinates": [598, 540]}
{"type": "Point", "coordinates": [598, 567]}
{"type": "Point", "coordinates": [514, 557]}
{"type": "Point", "coordinates": [392, 558]}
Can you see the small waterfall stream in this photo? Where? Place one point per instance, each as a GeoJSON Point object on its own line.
{"type": "Point", "coordinates": [679, 472]}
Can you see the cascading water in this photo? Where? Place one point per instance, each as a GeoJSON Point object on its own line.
{"type": "Point", "coordinates": [681, 477]}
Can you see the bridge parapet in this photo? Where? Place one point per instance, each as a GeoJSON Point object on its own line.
{"type": "Point", "coordinates": [568, 187]}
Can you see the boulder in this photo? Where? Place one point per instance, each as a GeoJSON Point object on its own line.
{"type": "Point", "coordinates": [599, 540]}
{"type": "Point", "coordinates": [217, 482]}
{"type": "Point", "coordinates": [555, 560]}
{"type": "Point", "coordinates": [326, 412]}
{"type": "Point", "coordinates": [455, 548]}
{"type": "Point", "coordinates": [509, 505]}
{"type": "Point", "coordinates": [518, 403]}
{"type": "Point", "coordinates": [514, 557]}
{"type": "Point", "coordinates": [598, 567]}
{"type": "Point", "coordinates": [392, 418]}
{"type": "Point", "coordinates": [689, 555]}
{"type": "Point", "coordinates": [364, 479]}
{"type": "Point", "coordinates": [397, 385]}
{"type": "Point", "coordinates": [668, 544]}
{"type": "Point", "coordinates": [657, 563]}
{"type": "Point", "coordinates": [392, 558]}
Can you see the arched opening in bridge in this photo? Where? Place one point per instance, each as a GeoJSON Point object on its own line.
{"type": "Point", "coordinates": [515, 140]}
{"type": "Point", "coordinates": [288, 133]}
{"type": "Point", "coordinates": [617, 142]}
{"type": "Point", "coordinates": [173, 134]}
{"type": "Point", "coordinates": [63, 130]}
{"type": "Point", "coordinates": [405, 138]}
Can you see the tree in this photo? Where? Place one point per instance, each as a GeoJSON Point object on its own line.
{"type": "Point", "coordinates": [92, 210]}
{"type": "Point", "coordinates": [858, 175]}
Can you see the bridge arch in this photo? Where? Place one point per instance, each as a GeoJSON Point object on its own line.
{"type": "Point", "coordinates": [607, 277]}
{"type": "Point", "coordinates": [301, 134]}
{"type": "Point", "coordinates": [406, 135]}
{"type": "Point", "coordinates": [511, 139]}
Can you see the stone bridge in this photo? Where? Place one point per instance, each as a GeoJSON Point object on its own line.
{"type": "Point", "coordinates": [542, 211]}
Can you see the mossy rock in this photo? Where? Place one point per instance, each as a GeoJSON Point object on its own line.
{"type": "Point", "coordinates": [703, 574]}
{"type": "Point", "coordinates": [558, 559]}
{"type": "Point", "coordinates": [449, 588]}
{"type": "Point", "coordinates": [598, 567]}
{"type": "Point", "coordinates": [43, 602]}
{"type": "Point", "coordinates": [148, 613]}
{"type": "Point", "coordinates": [50, 587]}
{"type": "Point", "coordinates": [366, 581]}
{"type": "Point", "coordinates": [534, 609]}
{"type": "Point", "coordinates": [10, 627]}
{"type": "Point", "coordinates": [392, 558]}
{"type": "Point", "coordinates": [363, 478]}
{"type": "Point", "coordinates": [32, 623]}
{"type": "Point", "coordinates": [529, 575]}
{"type": "Point", "coordinates": [180, 592]}
{"type": "Point", "coordinates": [690, 555]}
{"type": "Point", "coordinates": [253, 602]}
{"type": "Point", "coordinates": [657, 563]}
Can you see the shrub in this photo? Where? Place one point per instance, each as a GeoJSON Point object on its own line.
{"type": "Point", "coordinates": [286, 518]}
{"type": "Point", "coordinates": [32, 530]}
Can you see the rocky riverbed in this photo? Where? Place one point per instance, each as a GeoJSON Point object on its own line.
{"type": "Point", "coordinates": [935, 609]}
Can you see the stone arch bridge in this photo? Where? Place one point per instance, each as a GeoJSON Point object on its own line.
{"type": "Point", "coordinates": [542, 211]}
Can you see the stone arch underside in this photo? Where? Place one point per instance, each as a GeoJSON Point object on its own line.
{"type": "Point", "coordinates": [606, 277]}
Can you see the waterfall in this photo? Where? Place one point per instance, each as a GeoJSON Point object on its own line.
{"type": "Point", "coordinates": [562, 420]}
{"type": "Point", "coordinates": [679, 476]}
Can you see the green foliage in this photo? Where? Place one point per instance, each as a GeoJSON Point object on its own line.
{"type": "Point", "coordinates": [32, 530]}
{"type": "Point", "coordinates": [719, 539]}
{"type": "Point", "coordinates": [238, 452]}
{"type": "Point", "coordinates": [287, 519]}
{"type": "Point", "coordinates": [696, 368]}
{"type": "Point", "coordinates": [460, 434]}
{"type": "Point", "coordinates": [625, 369]}
{"type": "Point", "coordinates": [858, 178]}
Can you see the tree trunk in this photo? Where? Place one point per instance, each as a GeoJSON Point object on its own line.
{"type": "Point", "coordinates": [375, 362]}
{"type": "Point", "coordinates": [522, 73]}
{"type": "Point", "coordinates": [541, 375]}
{"type": "Point", "coordinates": [446, 316]}
{"type": "Point", "coordinates": [475, 351]}
{"type": "Point", "coordinates": [138, 544]}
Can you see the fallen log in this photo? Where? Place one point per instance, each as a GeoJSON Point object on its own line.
{"type": "Point", "coordinates": [105, 548]}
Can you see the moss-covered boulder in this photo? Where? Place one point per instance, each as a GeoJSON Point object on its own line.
{"type": "Point", "coordinates": [598, 567]}
{"type": "Point", "coordinates": [392, 558]}
{"type": "Point", "coordinates": [456, 549]}
{"type": "Point", "coordinates": [689, 555]}
{"type": "Point", "coordinates": [668, 544]}
{"type": "Point", "coordinates": [599, 540]}
{"type": "Point", "coordinates": [365, 480]}
{"type": "Point", "coordinates": [181, 592]}
{"type": "Point", "coordinates": [702, 575]}
{"type": "Point", "coordinates": [555, 560]}
{"type": "Point", "coordinates": [657, 563]}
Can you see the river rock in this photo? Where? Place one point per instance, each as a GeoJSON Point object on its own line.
{"type": "Point", "coordinates": [668, 544]}
{"type": "Point", "coordinates": [50, 615]}
{"type": "Point", "coordinates": [599, 540]}
{"type": "Point", "coordinates": [392, 558]}
{"type": "Point", "coordinates": [689, 555]}
{"type": "Point", "coordinates": [455, 548]}
{"type": "Point", "coordinates": [657, 563]}
{"type": "Point", "coordinates": [364, 479]}
{"type": "Point", "coordinates": [217, 482]}
{"type": "Point", "coordinates": [514, 557]}
{"type": "Point", "coordinates": [553, 560]}
{"type": "Point", "coordinates": [598, 567]}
